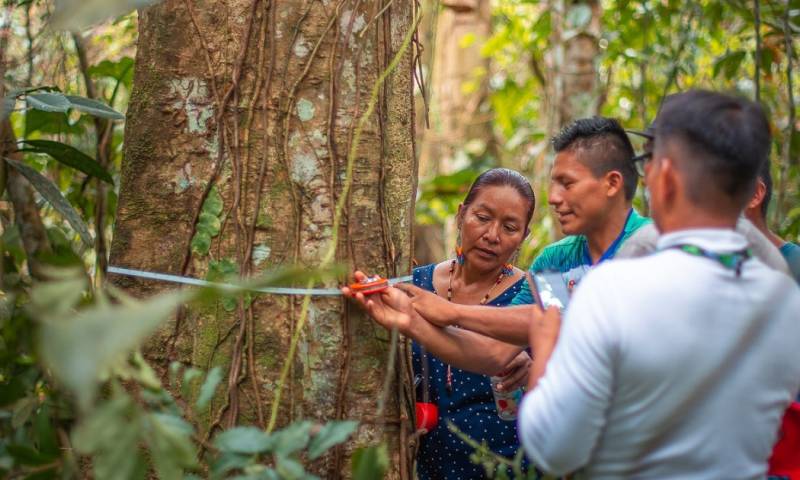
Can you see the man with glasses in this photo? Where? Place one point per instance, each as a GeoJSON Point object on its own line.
{"type": "Point", "coordinates": [678, 364]}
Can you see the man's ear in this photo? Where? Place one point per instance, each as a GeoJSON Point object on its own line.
{"type": "Point", "coordinates": [615, 183]}
{"type": "Point", "coordinates": [671, 182]}
{"type": "Point", "coordinates": [758, 195]}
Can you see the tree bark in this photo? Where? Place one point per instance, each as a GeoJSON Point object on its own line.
{"type": "Point", "coordinates": [258, 101]}
{"type": "Point", "coordinates": [573, 61]}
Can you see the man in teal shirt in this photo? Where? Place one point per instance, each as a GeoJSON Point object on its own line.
{"type": "Point", "coordinates": [756, 212]}
{"type": "Point", "coordinates": [592, 184]}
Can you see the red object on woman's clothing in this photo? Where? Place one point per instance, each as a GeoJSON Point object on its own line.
{"type": "Point", "coordinates": [785, 459]}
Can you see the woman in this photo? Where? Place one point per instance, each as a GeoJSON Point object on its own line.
{"type": "Point", "coordinates": [492, 223]}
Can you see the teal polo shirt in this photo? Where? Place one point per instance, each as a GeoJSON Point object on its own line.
{"type": "Point", "coordinates": [570, 256]}
{"type": "Point", "coordinates": [791, 252]}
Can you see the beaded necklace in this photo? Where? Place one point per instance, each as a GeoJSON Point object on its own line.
{"type": "Point", "coordinates": [449, 379]}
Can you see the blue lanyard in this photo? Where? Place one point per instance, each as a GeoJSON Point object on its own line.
{"type": "Point", "coordinates": [611, 250]}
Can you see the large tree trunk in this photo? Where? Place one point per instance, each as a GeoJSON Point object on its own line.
{"type": "Point", "coordinates": [258, 101]}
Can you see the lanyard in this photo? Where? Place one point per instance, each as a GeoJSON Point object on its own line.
{"type": "Point", "coordinates": [731, 260]}
{"type": "Point", "coordinates": [611, 250]}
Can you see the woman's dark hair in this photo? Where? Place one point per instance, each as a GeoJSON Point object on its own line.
{"type": "Point", "coordinates": [503, 177]}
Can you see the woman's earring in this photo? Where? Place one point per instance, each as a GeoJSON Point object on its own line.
{"type": "Point", "coordinates": [459, 250]}
{"type": "Point", "coordinates": [508, 268]}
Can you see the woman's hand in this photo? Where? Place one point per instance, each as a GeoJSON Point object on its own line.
{"type": "Point", "coordinates": [430, 306]}
{"type": "Point", "coordinates": [515, 374]}
{"type": "Point", "coordinates": [390, 308]}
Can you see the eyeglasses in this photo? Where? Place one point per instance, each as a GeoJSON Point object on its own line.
{"type": "Point", "coordinates": [640, 160]}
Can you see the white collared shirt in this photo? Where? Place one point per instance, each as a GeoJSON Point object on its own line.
{"type": "Point", "coordinates": [669, 366]}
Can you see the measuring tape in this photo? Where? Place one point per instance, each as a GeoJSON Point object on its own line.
{"type": "Point", "coordinates": [370, 285]}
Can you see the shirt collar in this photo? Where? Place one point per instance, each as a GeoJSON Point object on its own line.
{"type": "Point", "coordinates": [711, 239]}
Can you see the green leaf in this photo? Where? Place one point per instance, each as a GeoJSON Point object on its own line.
{"type": "Point", "coordinates": [189, 376]}
{"type": "Point", "coordinates": [48, 101]}
{"type": "Point", "coordinates": [247, 440]}
{"type": "Point", "coordinates": [208, 223]}
{"type": "Point", "coordinates": [213, 203]}
{"type": "Point", "coordinates": [103, 425]}
{"type": "Point", "coordinates": [729, 64]}
{"type": "Point", "coordinates": [293, 438]}
{"type": "Point", "coordinates": [333, 433]}
{"type": "Point", "coordinates": [78, 349]}
{"type": "Point", "coordinates": [290, 469]}
{"type": "Point", "coordinates": [171, 447]}
{"type": "Point", "coordinates": [59, 295]}
{"type": "Point", "coordinates": [52, 194]}
{"type": "Point", "coordinates": [370, 462]}
{"type": "Point", "coordinates": [25, 455]}
{"type": "Point", "coordinates": [79, 14]}
{"type": "Point", "coordinates": [69, 156]}
{"type": "Point", "coordinates": [121, 70]}
{"type": "Point", "coordinates": [208, 388]}
{"type": "Point", "coordinates": [228, 461]}
{"type": "Point", "coordinates": [201, 243]}
{"type": "Point", "coordinates": [22, 411]}
{"type": "Point", "coordinates": [54, 123]}
{"type": "Point", "coordinates": [94, 107]}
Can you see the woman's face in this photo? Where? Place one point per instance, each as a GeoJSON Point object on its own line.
{"type": "Point", "coordinates": [493, 226]}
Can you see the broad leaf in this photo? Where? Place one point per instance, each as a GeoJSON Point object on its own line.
{"type": "Point", "coordinates": [48, 101]}
{"type": "Point", "coordinates": [80, 14]}
{"type": "Point", "coordinates": [69, 156]}
{"type": "Point", "coordinates": [293, 438]}
{"type": "Point", "coordinates": [208, 223]}
{"type": "Point", "coordinates": [25, 455]}
{"type": "Point", "coordinates": [208, 388]}
{"type": "Point", "coordinates": [55, 123]}
{"type": "Point", "coordinates": [247, 440]}
{"type": "Point", "coordinates": [121, 70]}
{"type": "Point", "coordinates": [94, 107]}
{"type": "Point", "coordinates": [110, 434]}
{"type": "Point", "coordinates": [291, 469]}
{"type": "Point", "coordinates": [370, 462]}
{"type": "Point", "coordinates": [52, 194]}
{"type": "Point", "coordinates": [333, 433]}
{"type": "Point", "coordinates": [171, 446]}
{"type": "Point", "coordinates": [78, 349]}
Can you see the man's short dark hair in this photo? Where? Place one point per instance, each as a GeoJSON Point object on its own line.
{"type": "Point", "coordinates": [727, 139]}
{"type": "Point", "coordinates": [605, 147]}
{"type": "Point", "coordinates": [766, 176]}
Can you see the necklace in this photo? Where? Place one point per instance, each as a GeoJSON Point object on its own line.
{"type": "Point", "coordinates": [488, 294]}
{"type": "Point", "coordinates": [449, 378]}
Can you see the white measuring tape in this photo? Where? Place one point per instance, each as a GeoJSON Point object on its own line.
{"type": "Point", "coordinates": [164, 277]}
